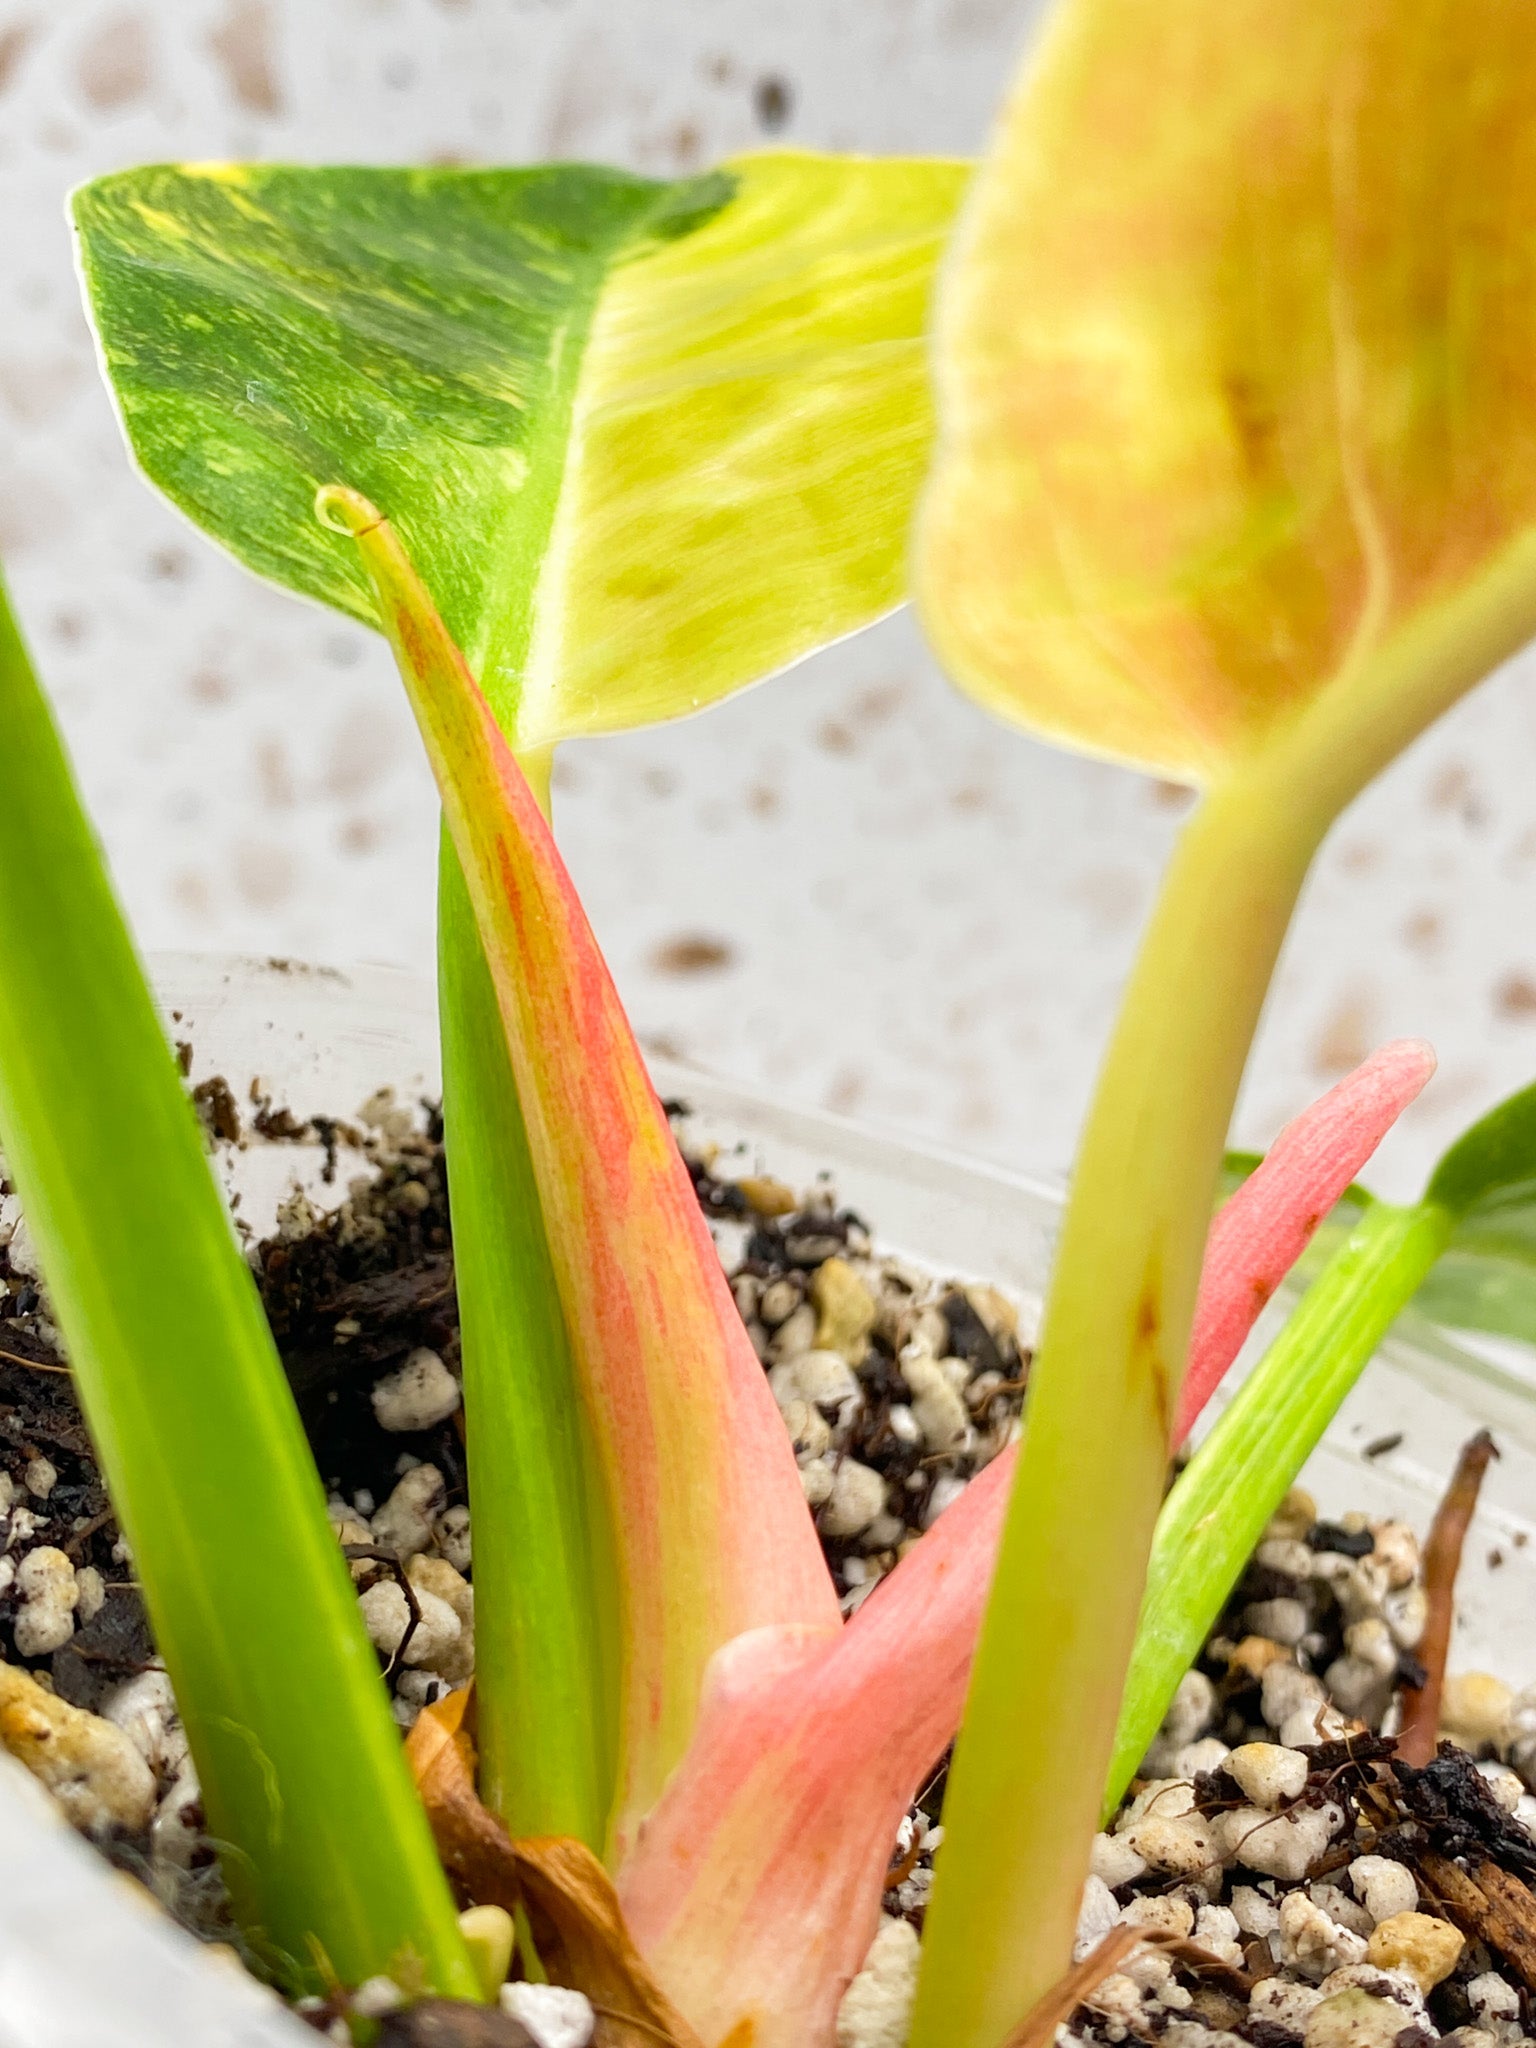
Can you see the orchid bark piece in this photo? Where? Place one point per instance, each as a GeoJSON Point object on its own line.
{"type": "Point", "coordinates": [711, 1534]}
{"type": "Point", "coordinates": [754, 1887]}
{"type": "Point", "coordinates": [1233, 481]}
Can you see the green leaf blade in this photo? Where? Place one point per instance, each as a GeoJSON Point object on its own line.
{"type": "Point", "coordinates": [267, 329]}
{"type": "Point", "coordinates": [1486, 1182]}
{"type": "Point", "coordinates": [1492, 1166]}
{"type": "Point", "coordinates": [1486, 1281]}
{"type": "Point", "coordinates": [298, 1756]}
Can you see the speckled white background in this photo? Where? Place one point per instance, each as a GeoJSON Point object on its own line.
{"type": "Point", "coordinates": [849, 885]}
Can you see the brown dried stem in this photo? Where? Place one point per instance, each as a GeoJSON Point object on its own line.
{"type": "Point", "coordinates": [1442, 1561]}
{"type": "Point", "coordinates": [1039, 2024]}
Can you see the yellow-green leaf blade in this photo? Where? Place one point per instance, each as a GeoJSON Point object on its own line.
{"type": "Point", "coordinates": [751, 428]}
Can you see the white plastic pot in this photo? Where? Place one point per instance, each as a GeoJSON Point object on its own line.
{"type": "Point", "coordinates": [86, 1962]}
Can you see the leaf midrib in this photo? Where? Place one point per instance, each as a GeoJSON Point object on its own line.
{"type": "Point", "coordinates": [527, 547]}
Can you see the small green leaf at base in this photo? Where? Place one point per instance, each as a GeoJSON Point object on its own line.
{"type": "Point", "coordinates": [1219, 1505]}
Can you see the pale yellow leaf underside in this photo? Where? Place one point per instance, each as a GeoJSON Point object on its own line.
{"type": "Point", "coordinates": [1237, 363]}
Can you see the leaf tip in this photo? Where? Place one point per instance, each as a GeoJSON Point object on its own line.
{"type": "Point", "coordinates": [1414, 1058]}
{"type": "Point", "coordinates": [344, 510]}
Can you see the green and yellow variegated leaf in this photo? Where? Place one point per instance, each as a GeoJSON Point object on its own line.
{"type": "Point", "coordinates": [1237, 372]}
{"type": "Point", "coordinates": [645, 441]}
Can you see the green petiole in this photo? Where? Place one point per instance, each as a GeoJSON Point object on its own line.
{"type": "Point", "coordinates": [1061, 1620]}
{"type": "Point", "coordinates": [1028, 1774]}
{"type": "Point", "coordinates": [544, 1689]}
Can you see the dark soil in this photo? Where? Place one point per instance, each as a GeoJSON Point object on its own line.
{"type": "Point", "coordinates": [347, 1301]}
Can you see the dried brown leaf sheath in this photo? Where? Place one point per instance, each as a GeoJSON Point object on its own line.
{"type": "Point", "coordinates": [1039, 2024]}
{"type": "Point", "coordinates": [568, 1896]}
